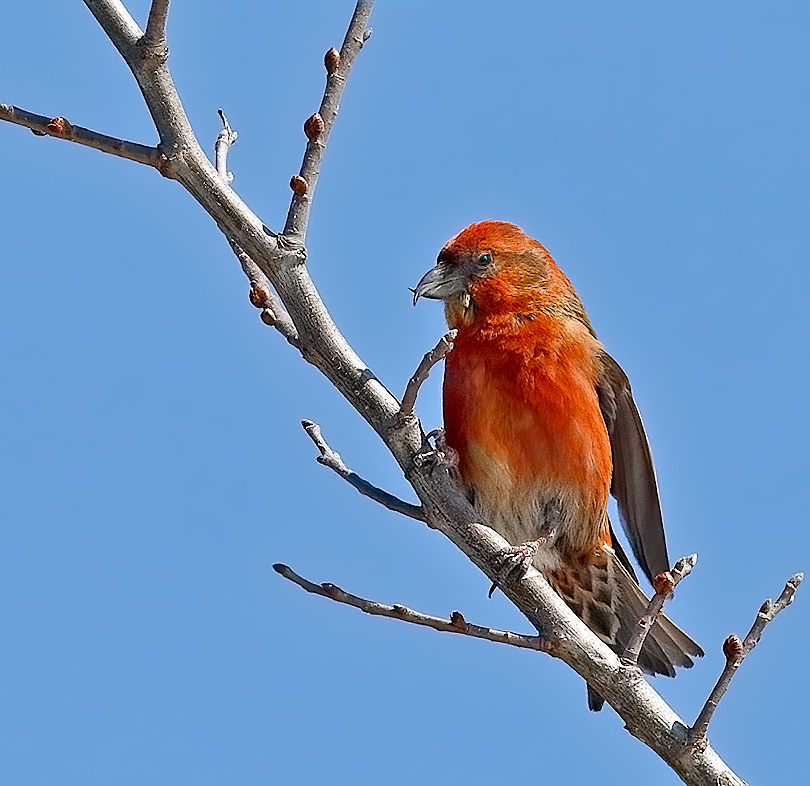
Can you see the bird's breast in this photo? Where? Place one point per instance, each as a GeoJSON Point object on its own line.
{"type": "Point", "coordinates": [523, 414]}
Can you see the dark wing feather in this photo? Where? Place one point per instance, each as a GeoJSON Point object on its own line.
{"type": "Point", "coordinates": [633, 483]}
{"type": "Point", "coordinates": [619, 551]}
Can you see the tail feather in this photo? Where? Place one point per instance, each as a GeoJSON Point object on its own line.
{"type": "Point", "coordinates": [595, 701]}
{"type": "Point", "coordinates": [608, 599]}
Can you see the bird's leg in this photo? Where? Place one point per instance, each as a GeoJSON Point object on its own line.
{"type": "Point", "coordinates": [438, 455]}
{"type": "Point", "coordinates": [516, 560]}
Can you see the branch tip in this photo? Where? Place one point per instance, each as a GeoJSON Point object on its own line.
{"type": "Point", "coordinates": [431, 358]}
{"type": "Point", "coordinates": [790, 588]}
{"type": "Point", "coordinates": [298, 214]}
{"type": "Point", "coordinates": [664, 585]}
{"type": "Point", "coordinates": [225, 139]}
{"type": "Point", "coordinates": [330, 458]}
{"type": "Point", "coordinates": [683, 567]}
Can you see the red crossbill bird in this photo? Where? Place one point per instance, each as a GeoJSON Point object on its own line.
{"type": "Point", "coordinates": [545, 428]}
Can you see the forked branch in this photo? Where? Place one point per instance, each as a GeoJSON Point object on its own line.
{"type": "Point", "coordinates": [735, 652]}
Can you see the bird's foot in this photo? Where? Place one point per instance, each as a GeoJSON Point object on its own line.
{"type": "Point", "coordinates": [516, 560]}
{"type": "Point", "coordinates": [440, 454]}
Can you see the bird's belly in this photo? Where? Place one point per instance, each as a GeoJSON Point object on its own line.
{"type": "Point", "coordinates": [524, 515]}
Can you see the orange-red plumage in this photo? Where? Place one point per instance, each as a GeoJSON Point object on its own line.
{"type": "Point", "coordinates": [521, 410]}
{"type": "Point", "coordinates": [545, 428]}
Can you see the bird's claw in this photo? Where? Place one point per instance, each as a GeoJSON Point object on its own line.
{"type": "Point", "coordinates": [516, 561]}
{"type": "Point", "coordinates": [440, 454]}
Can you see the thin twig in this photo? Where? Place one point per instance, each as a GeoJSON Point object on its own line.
{"type": "Point", "coordinates": [319, 126]}
{"type": "Point", "coordinates": [261, 290]}
{"type": "Point", "coordinates": [225, 139]}
{"type": "Point", "coordinates": [456, 623]}
{"type": "Point", "coordinates": [263, 297]}
{"type": "Point", "coordinates": [61, 129]}
{"type": "Point", "coordinates": [664, 584]}
{"type": "Point", "coordinates": [329, 458]}
{"type": "Point", "coordinates": [735, 652]}
{"type": "Point", "coordinates": [154, 39]}
{"type": "Point", "coordinates": [439, 352]}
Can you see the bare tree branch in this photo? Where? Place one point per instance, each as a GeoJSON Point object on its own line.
{"type": "Point", "coordinates": [330, 458]}
{"type": "Point", "coordinates": [177, 140]}
{"type": "Point", "coordinates": [439, 352]}
{"type": "Point", "coordinates": [664, 585]}
{"type": "Point", "coordinates": [735, 652]}
{"type": "Point", "coordinates": [154, 39]}
{"type": "Point", "coordinates": [456, 623]}
{"type": "Point", "coordinates": [61, 129]}
{"type": "Point", "coordinates": [320, 124]}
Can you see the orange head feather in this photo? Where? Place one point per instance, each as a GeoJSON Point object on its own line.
{"type": "Point", "coordinates": [493, 269]}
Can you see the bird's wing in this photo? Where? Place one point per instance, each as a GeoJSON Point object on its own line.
{"type": "Point", "coordinates": [623, 558]}
{"type": "Point", "coordinates": [633, 484]}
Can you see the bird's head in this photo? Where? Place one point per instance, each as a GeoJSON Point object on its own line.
{"type": "Point", "coordinates": [493, 268]}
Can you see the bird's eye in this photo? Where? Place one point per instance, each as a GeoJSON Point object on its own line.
{"type": "Point", "coordinates": [482, 265]}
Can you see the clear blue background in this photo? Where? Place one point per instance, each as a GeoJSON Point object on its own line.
{"type": "Point", "coordinates": [153, 465]}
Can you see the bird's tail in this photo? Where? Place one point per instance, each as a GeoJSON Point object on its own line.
{"type": "Point", "coordinates": [607, 598]}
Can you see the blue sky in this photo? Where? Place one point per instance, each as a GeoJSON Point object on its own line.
{"type": "Point", "coordinates": [152, 462]}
